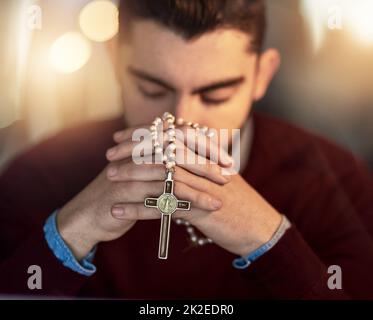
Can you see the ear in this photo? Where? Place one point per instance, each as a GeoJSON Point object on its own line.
{"type": "Point", "coordinates": [268, 64]}
{"type": "Point", "coordinates": [112, 47]}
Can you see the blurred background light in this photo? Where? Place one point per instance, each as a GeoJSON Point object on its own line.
{"type": "Point", "coordinates": [98, 20]}
{"type": "Point", "coordinates": [359, 16]}
{"type": "Point", "coordinates": [70, 52]}
{"type": "Point", "coordinates": [356, 18]}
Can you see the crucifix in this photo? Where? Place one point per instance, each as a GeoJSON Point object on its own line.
{"type": "Point", "coordinates": [167, 204]}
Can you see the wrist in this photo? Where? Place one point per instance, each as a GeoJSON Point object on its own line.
{"type": "Point", "coordinates": [245, 260]}
{"type": "Point", "coordinates": [264, 233]}
{"type": "Point", "coordinates": [75, 233]}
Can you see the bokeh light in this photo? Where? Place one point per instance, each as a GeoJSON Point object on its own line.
{"type": "Point", "coordinates": [360, 19]}
{"type": "Point", "coordinates": [98, 20]}
{"type": "Point", "coordinates": [356, 18]}
{"type": "Point", "coordinates": [70, 52]}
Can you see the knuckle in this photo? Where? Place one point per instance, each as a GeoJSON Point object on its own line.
{"type": "Point", "coordinates": [202, 199]}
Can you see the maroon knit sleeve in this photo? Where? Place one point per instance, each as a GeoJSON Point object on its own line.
{"type": "Point", "coordinates": [329, 227]}
{"type": "Point", "coordinates": [26, 200]}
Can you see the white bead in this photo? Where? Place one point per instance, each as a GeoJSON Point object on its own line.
{"type": "Point", "coordinates": [171, 147]}
{"type": "Point", "coordinates": [171, 132]}
{"type": "Point", "coordinates": [178, 221]}
{"type": "Point", "coordinates": [194, 238]}
{"type": "Point", "coordinates": [171, 139]}
{"type": "Point", "coordinates": [201, 242]}
{"type": "Point", "coordinates": [209, 240]}
{"type": "Point", "coordinates": [180, 121]}
{"type": "Point", "coordinates": [195, 125]}
{"type": "Point", "coordinates": [204, 129]}
{"type": "Point", "coordinates": [210, 133]}
{"type": "Point", "coordinates": [171, 156]}
{"type": "Point", "coordinates": [170, 119]}
{"type": "Point", "coordinates": [170, 165]}
{"type": "Point", "coordinates": [187, 223]}
{"type": "Point", "coordinates": [165, 115]}
{"type": "Point", "coordinates": [189, 123]}
{"type": "Point", "coordinates": [190, 230]}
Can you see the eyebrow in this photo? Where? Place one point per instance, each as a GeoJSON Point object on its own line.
{"type": "Point", "coordinates": [212, 86]}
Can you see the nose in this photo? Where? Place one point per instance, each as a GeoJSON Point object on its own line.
{"type": "Point", "coordinates": [187, 108]}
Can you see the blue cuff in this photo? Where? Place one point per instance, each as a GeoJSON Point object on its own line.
{"type": "Point", "coordinates": [244, 262]}
{"type": "Point", "coordinates": [62, 251]}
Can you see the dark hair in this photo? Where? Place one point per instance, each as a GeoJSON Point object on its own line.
{"type": "Point", "coordinates": [192, 18]}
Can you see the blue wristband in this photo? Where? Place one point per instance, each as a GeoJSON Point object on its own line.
{"type": "Point", "coordinates": [63, 252]}
{"type": "Point", "coordinates": [244, 262]}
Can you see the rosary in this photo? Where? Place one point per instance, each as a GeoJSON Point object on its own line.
{"type": "Point", "coordinates": [167, 203]}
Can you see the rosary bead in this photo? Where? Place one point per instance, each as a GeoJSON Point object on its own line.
{"type": "Point", "coordinates": [210, 133]}
{"type": "Point", "coordinates": [171, 146]}
{"type": "Point", "coordinates": [194, 238]}
{"type": "Point", "coordinates": [158, 150]}
{"type": "Point", "coordinates": [190, 230]}
{"type": "Point", "coordinates": [171, 132]}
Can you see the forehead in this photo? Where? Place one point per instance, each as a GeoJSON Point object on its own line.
{"type": "Point", "coordinates": [215, 55]}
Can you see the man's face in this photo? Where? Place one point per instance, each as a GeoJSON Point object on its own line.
{"type": "Point", "coordinates": [208, 80]}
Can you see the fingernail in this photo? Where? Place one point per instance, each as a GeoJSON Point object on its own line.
{"type": "Point", "coordinates": [217, 204]}
{"type": "Point", "coordinates": [111, 152]}
{"type": "Point", "coordinates": [117, 211]}
{"type": "Point", "coordinates": [112, 171]}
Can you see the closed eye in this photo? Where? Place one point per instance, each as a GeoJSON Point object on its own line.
{"type": "Point", "coordinates": [151, 90]}
{"type": "Point", "coordinates": [218, 96]}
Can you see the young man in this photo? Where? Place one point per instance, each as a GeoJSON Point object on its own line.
{"type": "Point", "coordinates": [65, 209]}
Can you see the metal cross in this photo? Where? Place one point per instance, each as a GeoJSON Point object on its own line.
{"type": "Point", "coordinates": [167, 204]}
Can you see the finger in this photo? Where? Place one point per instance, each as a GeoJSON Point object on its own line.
{"type": "Point", "coordinates": [194, 163]}
{"type": "Point", "coordinates": [137, 211]}
{"type": "Point", "coordinates": [200, 200]}
{"type": "Point", "coordinates": [137, 192]}
{"type": "Point", "coordinates": [126, 134]}
{"type": "Point", "coordinates": [126, 148]}
{"type": "Point", "coordinates": [128, 171]}
{"type": "Point", "coordinates": [207, 146]}
{"type": "Point", "coordinates": [134, 211]}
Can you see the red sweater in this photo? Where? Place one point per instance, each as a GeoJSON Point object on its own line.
{"type": "Point", "coordinates": [325, 192]}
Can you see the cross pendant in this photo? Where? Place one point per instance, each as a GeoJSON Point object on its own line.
{"type": "Point", "coordinates": [167, 204]}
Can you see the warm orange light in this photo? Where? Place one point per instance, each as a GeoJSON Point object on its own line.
{"type": "Point", "coordinates": [98, 20]}
{"type": "Point", "coordinates": [70, 52]}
